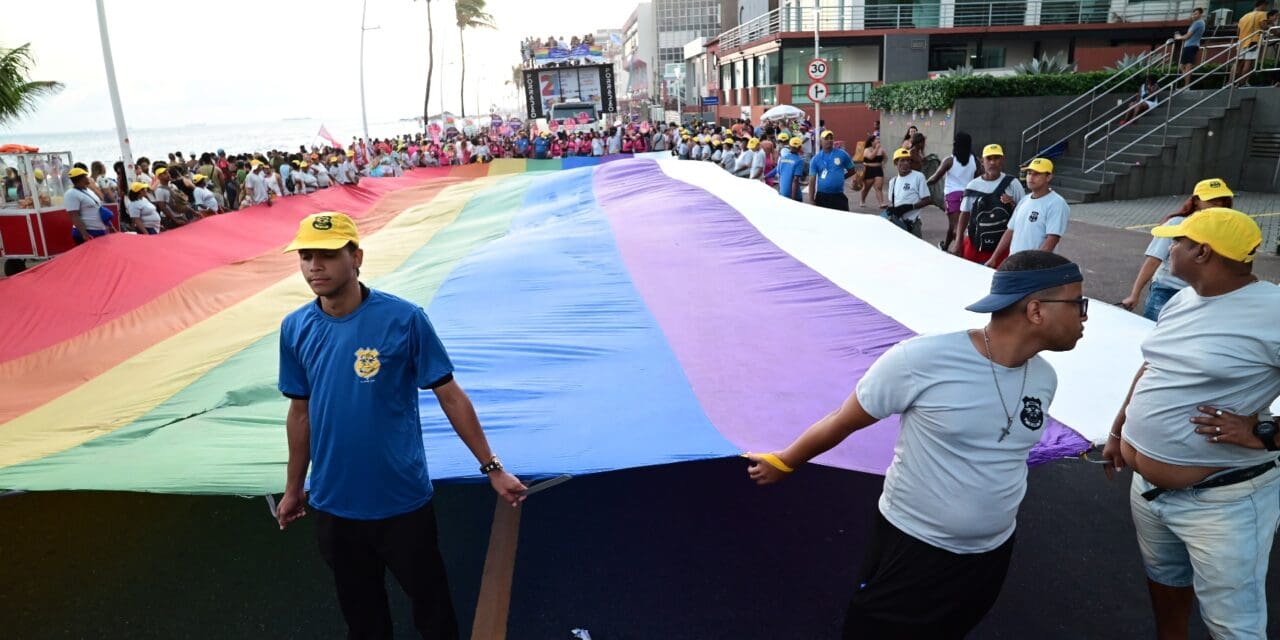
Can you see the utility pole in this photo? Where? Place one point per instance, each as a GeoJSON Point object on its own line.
{"type": "Point", "coordinates": [122, 132]}
{"type": "Point", "coordinates": [817, 106]}
{"type": "Point", "coordinates": [364, 115]}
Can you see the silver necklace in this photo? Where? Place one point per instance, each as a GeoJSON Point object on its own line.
{"type": "Point", "coordinates": [1008, 417]}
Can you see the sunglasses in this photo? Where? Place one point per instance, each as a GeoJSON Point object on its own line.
{"type": "Point", "coordinates": [1083, 302]}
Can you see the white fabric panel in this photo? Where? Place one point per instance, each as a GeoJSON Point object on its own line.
{"type": "Point", "coordinates": [927, 290]}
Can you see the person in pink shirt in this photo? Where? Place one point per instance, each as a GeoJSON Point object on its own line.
{"type": "Point", "coordinates": [628, 145]}
{"type": "Point", "coordinates": [639, 146]}
{"type": "Point", "coordinates": [557, 150]}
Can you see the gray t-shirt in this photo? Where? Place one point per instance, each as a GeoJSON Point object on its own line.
{"type": "Point", "coordinates": [980, 183]}
{"type": "Point", "coordinates": [1159, 249]}
{"type": "Point", "coordinates": [1035, 219]}
{"type": "Point", "coordinates": [1222, 352]}
{"type": "Point", "coordinates": [953, 483]}
{"type": "Point", "coordinates": [1194, 34]}
{"type": "Point", "coordinates": [84, 203]}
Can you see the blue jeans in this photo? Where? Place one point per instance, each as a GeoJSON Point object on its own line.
{"type": "Point", "coordinates": [1156, 298]}
{"type": "Point", "coordinates": [1216, 540]}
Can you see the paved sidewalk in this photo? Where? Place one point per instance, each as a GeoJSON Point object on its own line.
{"type": "Point", "coordinates": [1145, 213]}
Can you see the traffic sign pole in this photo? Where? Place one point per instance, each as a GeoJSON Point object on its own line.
{"type": "Point", "coordinates": [817, 106]}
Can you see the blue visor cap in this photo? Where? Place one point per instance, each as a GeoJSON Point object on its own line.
{"type": "Point", "coordinates": [1008, 287]}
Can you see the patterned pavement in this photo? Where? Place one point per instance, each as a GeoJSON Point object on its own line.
{"type": "Point", "coordinates": [1145, 213]}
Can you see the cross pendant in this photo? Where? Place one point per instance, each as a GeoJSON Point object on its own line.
{"type": "Point", "coordinates": [1004, 433]}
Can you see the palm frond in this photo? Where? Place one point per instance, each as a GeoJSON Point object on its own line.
{"type": "Point", "coordinates": [18, 93]}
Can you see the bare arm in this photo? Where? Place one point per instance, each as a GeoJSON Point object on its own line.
{"type": "Point", "coordinates": [942, 170]}
{"type": "Point", "coordinates": [1050, 243]}
{"type": "Point", "coordinates": [461, 413]}
{"type": "Point", "coordinates": [1002, 249]}
{"type": "Point", "coordinates": [298, 429]}
{"type": "Point", "coordinates": [822, 436]}
{"type": "Point", "coordinates": [962, 224]}
{"type": "Point", "coordinates": [1145, 273]}
{"type": "Point", "coordinates": [1111, 451]}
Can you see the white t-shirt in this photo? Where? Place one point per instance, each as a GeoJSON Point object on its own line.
{"type": "Point", "coordinates": [1035, 219]}
{"type": "Point", "coordinates": [322, 176]}
{"type": "Point", "coordinates": [597, 147]}
{"type": "Point", "coordinates": [84, 203]}
{"type": "Point", "coordinates": [757, 165]}
{"type": "Point", "coordinates": [257, 187]}
{"type": "Point", "coordinates": [1159, 249]}
{"type": "Point", "coordinates": [953, 483]}
{"type": "Point", "coordinates": [205, 199]}
{"type": "Point", "coordinates": [980, 183]}
{"type": "Point", "coordinates": [695, 152]}
{"type": "Point", "coordinates": [729, 159]}
{"type": "Point", "coordinates": [145, 212]}
{"type": "Point", "coordinates": [1222, 352]}
{"type": "Point", "coordinates": [744, 163]}
{"type": "Point", "coordinates": [908, 189]}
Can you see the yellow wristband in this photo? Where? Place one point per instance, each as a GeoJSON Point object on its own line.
{"type": "Point", "coordinates": [771, 460]}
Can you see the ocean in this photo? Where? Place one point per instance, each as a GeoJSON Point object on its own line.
{"type": "Point", "coordinates": [158, 143]}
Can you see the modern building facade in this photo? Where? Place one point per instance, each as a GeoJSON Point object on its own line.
{"type": "Point", "coordinates": [761, 61]}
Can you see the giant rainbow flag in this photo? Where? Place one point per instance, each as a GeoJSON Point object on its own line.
{"type": "Point", "coordinates": [602, 315]}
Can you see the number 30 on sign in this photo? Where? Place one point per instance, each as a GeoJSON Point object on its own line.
{"type": "Point", "coordinates": [818, 69]}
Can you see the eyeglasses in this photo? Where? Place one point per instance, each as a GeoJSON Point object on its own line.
{"type": "Point", "coordinates": [1083, 302]}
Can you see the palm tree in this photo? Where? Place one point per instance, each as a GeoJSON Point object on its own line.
{"type": "Point", "coordinates": [18, 94]}
{"type": "Point", "coordinates": [470, 14]}
{"type": "Point", "coordinates": [431, 65]}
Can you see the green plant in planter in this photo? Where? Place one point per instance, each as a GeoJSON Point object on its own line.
{"type": "Point", "coordinates": [961, 72]}
{"type": "Point", "coordinates": [1043, 66]}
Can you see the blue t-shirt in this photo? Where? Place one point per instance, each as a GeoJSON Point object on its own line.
{"type": "Point", "coordinates": [828, 168]}
{"type": "Point", "coordinates": [522, 145]}
{"type": "Point", "coordinates": [790, 166]}
{"type": "Point", "coordinates": [361, 374]}
{"type": "Point", "coordinates": [540, 147]}
{"type": "Point", "coordinates": [1194, 33]}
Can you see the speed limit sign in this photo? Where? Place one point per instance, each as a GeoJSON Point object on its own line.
{"type": "Point", "coordinates": [818, 69]}
{"type": "Point", "coordinates": [817, 92]}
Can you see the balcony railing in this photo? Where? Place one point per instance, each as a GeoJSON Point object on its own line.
{"type": "Point", "coordinates": [838, 93]}
{"type": "Point", "coordinates": [944, 14]}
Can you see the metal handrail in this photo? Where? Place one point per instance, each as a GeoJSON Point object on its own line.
{"type": "Point", "coordinates": [1269, 38]}
{"type": "Point", "coordinates": [988, 13]}
{"type": "Point", "coordinates": [1137, 69]}
{"type": "Point", "coordinates": [1088, 99]}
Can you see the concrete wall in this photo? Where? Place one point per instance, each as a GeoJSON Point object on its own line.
{"type": "Point", "coordinates": [1001, 121]}
{"type": "Point", "coordinates": [1259, 170]}
{"type": "Point", "coordinates": [906, 57]}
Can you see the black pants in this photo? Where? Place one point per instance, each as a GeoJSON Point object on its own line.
{"type": "Point", "coordinates": [837, 201]}
{"type": "Point", "coordinates": [360, 551]}
{"type": "Point", "coordinates": [909, 589]}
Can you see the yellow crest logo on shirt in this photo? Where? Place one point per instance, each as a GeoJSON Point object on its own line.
{"type": "Point", "coordinates": [367, 365]}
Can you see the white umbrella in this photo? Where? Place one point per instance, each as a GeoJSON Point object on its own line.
{"type": "Point", "coordinates": [782, 112]}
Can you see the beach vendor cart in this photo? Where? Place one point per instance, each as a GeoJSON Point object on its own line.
{"type": "Point", "coordinates": [34, 224]}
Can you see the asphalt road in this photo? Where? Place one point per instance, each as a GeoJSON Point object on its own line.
{"type": "Point", "coordinates": [686, 551]}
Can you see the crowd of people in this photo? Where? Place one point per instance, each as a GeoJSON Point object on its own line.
{"type": "Point", "coordinates": [529, 47]}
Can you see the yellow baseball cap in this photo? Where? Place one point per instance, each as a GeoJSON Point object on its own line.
{"type": "Point", "coordinates": [77, 172]}
{"type": "Point", "coordinates": [796, 142]}
{"type": "Point", "coordinates": [753, 143]}
{"type": "Point", "coordinates": [138, 186]}
{"type": "Point", "coordinates": [992, 150]}
{"type": "Point", "coordinates": [1231, 234]}
{"type": "Point", "coordinates": [1213, 188]}
{"type": "Point", "coordinates": [783, 136]}
{"type": "Point", "coordinates": [728, 140]}
{"type": "Point", "coordinates": [199, 177]}
{"type": "Point", "coordinates": [160, 171]}
{"type": "Point", "coordinates": [350, 153]}
{"type": "Point", "coordinates": [901, 153]}
{"type": "Point", "coordinates": [828, 134]}
{"type": "Point", "coordinates": [328, 230]}
{"type": "Point", "coordinates": [1040, 165]}
{"type": "Point", "coordinates": [303, 165]}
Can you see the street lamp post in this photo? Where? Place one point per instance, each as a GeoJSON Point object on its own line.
{"type": "Point", "coordinates": [122, 132]}
{"type": "Point", "coordinates": [364, 115]}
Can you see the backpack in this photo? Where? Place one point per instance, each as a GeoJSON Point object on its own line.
{"type": "Point", "coordinates": [990, 217]}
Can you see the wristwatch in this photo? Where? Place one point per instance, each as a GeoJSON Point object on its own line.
{"type": "Point", "coordinates": [1266, 431]}
{"type": "Point", "coordinates": [496, 465]}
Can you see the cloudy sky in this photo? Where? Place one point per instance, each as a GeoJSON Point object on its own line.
{"type": "Point", "coordinates": [235, 61]}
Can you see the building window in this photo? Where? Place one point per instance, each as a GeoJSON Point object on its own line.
{"type": "Point", "coordinates": [947, 56]}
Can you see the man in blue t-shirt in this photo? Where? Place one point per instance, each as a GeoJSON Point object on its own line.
{"type": "Point", "coordinates": [790, 169]}
{"type": "Point", "coordinates": [829, 168]}
{"type": "Point", "coordinates": [351, 363]}
{"type": "Point", "coordinates": [522, 147]}
{"type": "Point", "coordinates": [1191, 42]}
{"type": "Point", "coordinates": [541, 146]}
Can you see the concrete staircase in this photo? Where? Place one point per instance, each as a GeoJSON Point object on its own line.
{"type": "Point", "coordinates": [1164, 162]}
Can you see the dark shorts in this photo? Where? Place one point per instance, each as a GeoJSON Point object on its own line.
{"type": "Point", "coordinates": [909, 589]}
{"type": "Point", "coordinates": [872, 173]}
{"type": "Point", "coordinates": [1189, 54]}
{"type": "Point", "coordinates": [837, 201]}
